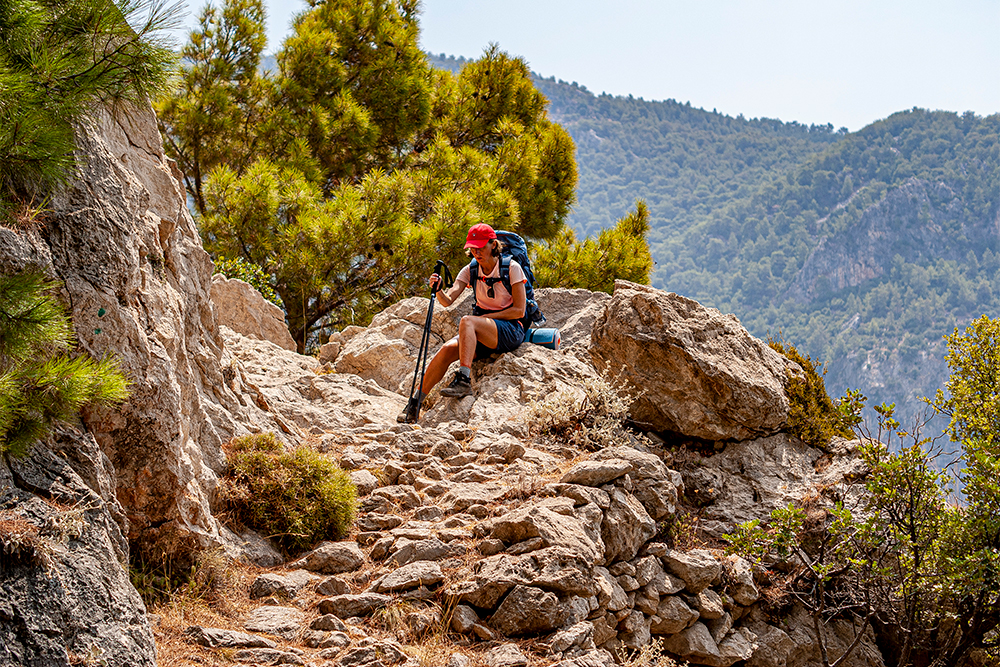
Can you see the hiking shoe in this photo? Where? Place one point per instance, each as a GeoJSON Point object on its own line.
{"type": "Point", "coordinates": [460, 387]}
{"type": "Point", "coordinates": [409, 413]}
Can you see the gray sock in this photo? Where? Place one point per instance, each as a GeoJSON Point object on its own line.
{"type": "Point", "coordinates": [421, 396]}
{"type": "Point", "coordinates": [466, 371]}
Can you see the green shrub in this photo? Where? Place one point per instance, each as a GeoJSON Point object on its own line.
{"type": "Point", "coordinates": [812, 416]}
{"type": "Point", "coordinates": [41, 384]}
{"type": "Point", "coordinates": [298, 497]}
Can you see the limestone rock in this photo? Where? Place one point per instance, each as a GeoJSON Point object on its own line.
{"type": "Point", "coordinates": [374, 653]}
{"type": "Point", "coordinates": [268, 656]}
{"type": "Point", "coordinates": [554, 529]}
{"type": "Point", "coordinates": [286, 385]}
{"type": "Point", "coordinates": [634, 631]}
{"type": "Point", "coordinates": [595, 473]}
{"type": "Point", "coordinates": [280, 585]}
{"type": "Point", "coordinates": [742, 586]}
{"type": "Point", "coordinates": [506, 655]}
{"type": "Point", "coordinates": [244, 310]}
{"type": "Point", "coordinates": [755, 477]}
{"type": "Point", "coordinates": [572, 311]}
{"type": "Point", "coordinates": [528, 610]}
{"type": "Point", "coordinates": [694, 645]}
{"type": "Point", "coordinates": [332, 558]}
{"type": "Point", "coordinates": [626, 526]}
{"type": "Point", "coordinates": [595, 658]}
{"type": "Point", "coordinates": [699, 372]}
{"type": "Point", "coordinates": [281, 621]}
{"type": "Point", "coordinates": [120, 237]}
{"type": "Point", "coordinates": [502, 385]}
{"type": "Point", "coordinates": [386, 351]}
{"type": "Point", "coordinates": [345, 606]}
{"type": "Point", "coordinates": [698, 567]}
{"type": "Point", "coordinates": [673, 616]}
{"type": "Point", "coordinates": [578, 635]}
{"type": "Point", "coordinates": [220, 638]}
{"type": "Point", "coordinates": [554, 568]}
{"type": "Point", "coordinates": [653, 484]}
{"type": "Point", "coordinates": [420, 573]}
{"type": "Point", "coordinates": [463, 618]}
{"type": "Point", "coordinates": [737, 646]}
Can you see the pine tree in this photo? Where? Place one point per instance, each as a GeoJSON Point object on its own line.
{"type": "Point", "coordinates": [216, 115]}
{"type": "Point", "coordinates": [620, 252]}
{"type": "Point", "coordinates": [41, 382]}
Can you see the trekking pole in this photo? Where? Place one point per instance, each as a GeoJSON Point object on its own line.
{"type": "Point", "coordinates": [444, 280]}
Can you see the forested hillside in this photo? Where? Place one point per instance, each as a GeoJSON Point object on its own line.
{"type": "Point", "coordinates": [862, 248]}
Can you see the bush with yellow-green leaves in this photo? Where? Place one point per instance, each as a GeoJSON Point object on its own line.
{"type": "Point", "coordinates": [297, 497]}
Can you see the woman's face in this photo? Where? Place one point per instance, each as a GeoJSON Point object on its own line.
{"type": "Point", "coordinates": [479, 254]}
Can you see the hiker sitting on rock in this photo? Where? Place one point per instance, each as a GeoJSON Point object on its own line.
{"type": "Point", "coordinates": [498, 322]}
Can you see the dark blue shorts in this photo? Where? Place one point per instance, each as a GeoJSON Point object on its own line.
{"type": "Point", "coordinates": [510, 335]}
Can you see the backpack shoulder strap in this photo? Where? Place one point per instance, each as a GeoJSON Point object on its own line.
{"type": "Point", "coordinates": [473, 277]}
{"type": "Point", "coordinates": [505, 272]}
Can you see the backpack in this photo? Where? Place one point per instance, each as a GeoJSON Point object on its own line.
{"type": "Point", "coordinates": [516, 249]}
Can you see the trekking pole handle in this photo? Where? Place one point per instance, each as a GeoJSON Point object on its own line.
{"type": "Point", "coordinates": [444, 277]}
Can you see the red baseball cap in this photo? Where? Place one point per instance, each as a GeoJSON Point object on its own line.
{"type": "Point", "coordinates": [479, 236]}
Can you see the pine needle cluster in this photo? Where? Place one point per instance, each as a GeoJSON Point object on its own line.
{"type": "Point", "coordinates": [41, 382]}
{"type": "Point", "coordinates": [59, 59]}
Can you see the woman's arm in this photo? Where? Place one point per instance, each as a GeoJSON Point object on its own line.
{"type": "Point", "coordinates": [516, 310]}
{"type": "Point", "coordinates": [446, 297]}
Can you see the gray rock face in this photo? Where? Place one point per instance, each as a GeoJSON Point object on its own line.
{"type": "Point", "coordinates": [65, 595]}
{"type": "Point", "coordinates": [673, 616]}
{"type": "Point", "coordinates": [653, 484]}
{"type": "Point", "coordinates": [698, 568]}
{"type": "Point", "coordinates": [626, 526]}
{"type": "Point", "coordinates": [699, 372]}
{"type": "Point", "coordinates": [694, 645]}
{"type": "Point", "coordinates": [752, 478]}
{"type": "Point", "coordinates": [242, 308]}
{"type": "Point", "coordinates": [528, 610]}
{"type": "Point", "coordinates": [553, 528]}
{"type": "Point", "coordinates": [555, 569]}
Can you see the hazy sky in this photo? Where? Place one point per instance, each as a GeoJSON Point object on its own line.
{"type": "Point", "coordinates": [846, 62]}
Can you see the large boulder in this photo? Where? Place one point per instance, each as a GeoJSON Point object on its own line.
{"type": "Point", "coordinates": [504, 384]}
{"type": "Point", "coordinates": [697, 372]}
{"type": "Point", "coordinates": [386, 351]}
{"type": "Point", "coordinates": [242, 308]}
{"type": "Point", "coordinates": [285, 384]}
